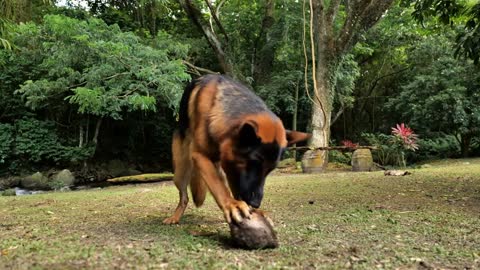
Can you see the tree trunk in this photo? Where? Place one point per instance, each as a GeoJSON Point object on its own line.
{"type": "Point", "coordinates": [322, 50]}
{"type": "Point", "coordinates": [465, 145]}
{"type": "Point", "coordinates": [97, 131]}
{"type": "Point", "coordinates": [328, 45]}
{"type": "Point", "coordinates": [80, 143]}
{"type": "Point", "coordinates": [320, 138]}
{"type": "Point", "coordinates": [87, 130]}
{"type": "Point", "coordinates": [295, 115]}
{"type": "Point", "coordinates": [265, 47]}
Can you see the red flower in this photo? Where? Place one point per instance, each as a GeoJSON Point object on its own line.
{"type": "Point", "coordinates": [349, 144]}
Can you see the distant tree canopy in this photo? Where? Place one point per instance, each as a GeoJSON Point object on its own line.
{"type": "Point", "coordinates": [78, 73]}
{"type": "Point", "coordinates": [443, 94]}
{"type": "Point", "coordinates": [451, 12]}
{"type": "Point", "coordinates": [98, 68]}
{"type": "Point", "coordinates": [102, 79]}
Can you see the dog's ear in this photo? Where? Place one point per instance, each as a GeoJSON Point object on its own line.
{"type": "Point", "coordinates": [294, 137]}
{"type": "Point", "coordinates": [247, 136]}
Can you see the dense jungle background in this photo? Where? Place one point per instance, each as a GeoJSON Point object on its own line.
{"type": "Point", "coordinates": [94, 85]}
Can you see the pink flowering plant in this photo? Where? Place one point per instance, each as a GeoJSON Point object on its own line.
{"type": "Point", "coordinates": [405, 135]}
{"type": "Point", "coordinates": [391, 148]}
{"type": "Point", "coordinates": [406, 139]}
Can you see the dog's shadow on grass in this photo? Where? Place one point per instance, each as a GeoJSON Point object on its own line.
{"type": "Point", "coordinates": [191, 227]}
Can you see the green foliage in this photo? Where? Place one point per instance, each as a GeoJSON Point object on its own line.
{"type": "Point", "coordinates": [340, 157]}
{"type": "Point", "coordinates": [56, 184]}
{"type": "Point", "coordinates": [461, 12]}
{"type": "Point", "coordinates": [5, 26]}
{"type": "Point", "coordinates": [37, 141]}
{"type": "Point", "coordinates": [75, 72]}
{"type": "Point", "coordinates": [389, 151]}
{"type": "Point", "coordinates": [6, 141]}
{"type": "Point", "coordinates": [442, 94]}
{"type": "Point", "coordinates": [439, 147]}
{"type": "Point", "coordinates": [99, 69]}
{"type": "Point", "coordinates": [345, 76]}
{"type": "Point", "coordinates": [279, 93]}
{"type": "Point", "coordinates": [8, 192]}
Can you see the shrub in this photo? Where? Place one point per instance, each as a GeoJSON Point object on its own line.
{"type": "Point", "coordinates": [340, 157]}
{"type": "Point", "coordinates": [31, 141]}
{"type": "Point", "coordinates": [38, 140]}
{"type": "Point", "coordinates": [439, 147]}
{"type": "Point", "coordinates": [8, 192]}
{"type": "Point", "coordinates": [391, 148]}
{"type": "Point", "coordinates": [6, 141]}
{"type": "Point", "coordinates": [386, 152]}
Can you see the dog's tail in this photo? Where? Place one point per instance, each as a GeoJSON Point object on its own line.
{"type": "Point", "coordinates": [198, 189]}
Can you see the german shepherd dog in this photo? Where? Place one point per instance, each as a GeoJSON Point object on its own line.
{"type": "Point", "coordinates": [227, 141]}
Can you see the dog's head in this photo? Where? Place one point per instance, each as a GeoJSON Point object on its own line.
{"type": "Point", "coordinates": [256, 149]}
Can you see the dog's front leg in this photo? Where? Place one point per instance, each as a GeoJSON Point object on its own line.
{"type": "Point", "coordinates": [232, 209]}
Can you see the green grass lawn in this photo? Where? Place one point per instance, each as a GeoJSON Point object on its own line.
{"type": "Point", "coordinates": [333, 220]}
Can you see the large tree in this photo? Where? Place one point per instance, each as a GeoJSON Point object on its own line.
{"type": "Point", "coordinates": [335, 27]}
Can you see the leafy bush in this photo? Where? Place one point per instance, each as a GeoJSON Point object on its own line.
{"type": "Point", "coordinates": [37, 141]}
{"type": "Point", "coordinates": [6, 141]}
{"type": "Point", "coordinates": [391, 148]}
{"type": "Point", "coordinates": [8, 192]}
{"type": "Point", "coordinates": [440, 147]}
{"type": "Point", "coordinates": [340, 157]}
{"type": "Point", "coordinates": [387, 152]}
{"type": "Point", "coordinates": [56, 184]}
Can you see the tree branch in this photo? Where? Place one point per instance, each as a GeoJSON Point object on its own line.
{"type": "Point", "coordinates": [361, 15]}
{"type": "Point", "coordinates": [199, 69]}
{"type": "Point", "coordinates": [337, 115]}
{"type": "Point", "coordinates": [354, 9]}
{"type": "Point", "coordinates": [215, 18]}
{"type": "Point", "coordinates": [332, 12]}
{"type": "Point", "coordinates": [196, 17]}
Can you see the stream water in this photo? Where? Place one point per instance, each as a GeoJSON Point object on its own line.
{"type": "Point", "coordinates": [22, 191]}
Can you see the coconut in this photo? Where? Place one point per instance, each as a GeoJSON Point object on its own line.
{"type": "Point", "coordinates": [255, 232]}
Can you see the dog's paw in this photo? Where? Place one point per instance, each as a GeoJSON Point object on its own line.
{"type": "Point", "coordinates": [171, 220]}
{"type": "Point", "coordinates": [236, 211]}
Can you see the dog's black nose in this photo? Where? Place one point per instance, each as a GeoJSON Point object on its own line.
{"type": "Point", "coordinates": [254, 203]}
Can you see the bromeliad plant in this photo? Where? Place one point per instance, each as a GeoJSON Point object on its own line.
{"type": "Point", "coordinates": [406, 139]}
{"type": "Point", "coordinates": [391, 147]}
{"type": "Point", "coordinates": [405, 136]}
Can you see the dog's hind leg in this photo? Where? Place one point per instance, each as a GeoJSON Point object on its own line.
{"type": "Point", "coordinates": [182, 165]}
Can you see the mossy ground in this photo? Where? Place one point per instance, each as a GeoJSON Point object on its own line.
{"type": "Point", "coordinates": [430, 218]}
